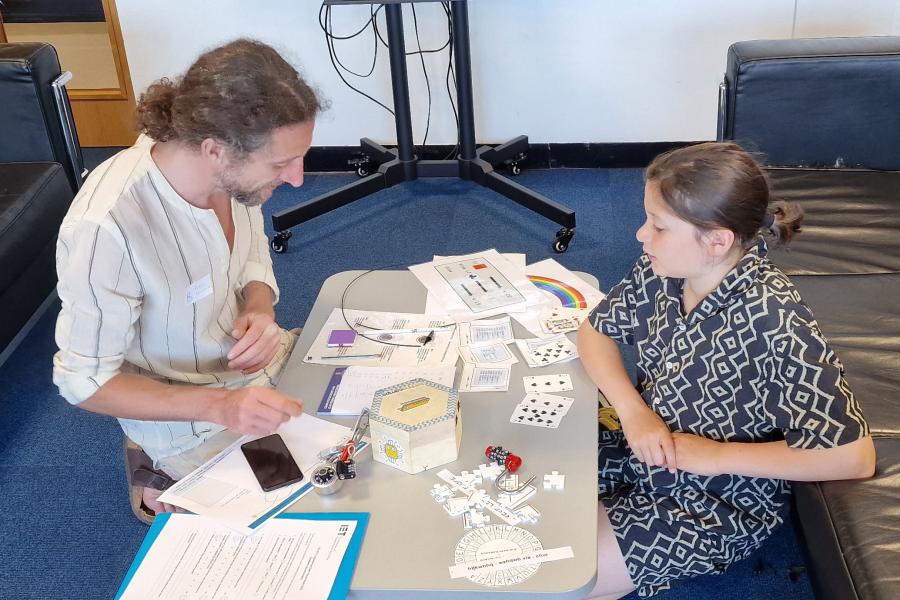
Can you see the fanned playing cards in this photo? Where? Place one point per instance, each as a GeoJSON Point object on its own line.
{"type": "Point", "coordinates": [540, 352]}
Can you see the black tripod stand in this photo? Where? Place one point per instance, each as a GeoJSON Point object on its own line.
{"type": "Point", "coordinates": [396, 166]}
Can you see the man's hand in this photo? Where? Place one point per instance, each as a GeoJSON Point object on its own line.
{"type": "Point", "coordinates": [649, 437]}
{"type": "Point", "coordinates": [698, 455]}
{"type": "Point", "coordinates": [257, 410]}
{"type": "Point", "coordinates": [258, 338]}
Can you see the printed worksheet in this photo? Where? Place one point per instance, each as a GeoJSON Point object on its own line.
{"type": "Point", "coordinates": [484, 379]}
{"type": "Point", "coordinates": [478, 285]}
{"type": "Point", "coordinates": [486, 331]}
{"type": "Point", "coordinates": [386, 339]}
{"type": "Point", "coordinates": [359, 384]}
{"type": "Point", "coordinates": [194, 557]}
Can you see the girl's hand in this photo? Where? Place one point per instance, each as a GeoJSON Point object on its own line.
{"type": "Point", "coordinates": [649, 437]}
{"type": "Point", "coordinates": [697, 454]}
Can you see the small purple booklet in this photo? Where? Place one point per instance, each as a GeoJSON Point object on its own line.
{"type": "Point", "coordinates": [341, 337]}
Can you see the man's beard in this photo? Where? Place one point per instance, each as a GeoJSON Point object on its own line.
{"type": "Point", "coordinates": [246, 197]}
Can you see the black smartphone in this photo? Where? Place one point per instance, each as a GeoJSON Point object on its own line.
{"type": "Point", "coordinates": [271, 462]}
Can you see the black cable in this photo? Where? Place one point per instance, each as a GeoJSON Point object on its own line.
{"type": "Point", "coordinates": [372, 16]}
{"type": "Point", "coordinates": [329, 41]}
{"type": "Point", "coordinates": [455, 149]}
{"type": "Point", "coordinates": [424, 72]}
{"type": "Point", "coordinates": [419, 51]}
{"type": "Point", "coordinates": [360, 333]}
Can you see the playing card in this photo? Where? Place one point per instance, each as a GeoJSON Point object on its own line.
{"type": "Point", "coordinates": [541, 410]}
{"type": "Point", "coordinates": [560, 325]}
{"type": "Point", "coordinates": [539, 352]}
{"type": "Point", "coordinates": [560, 319]}
{"type": "Point", "coordinates": [548, 383]}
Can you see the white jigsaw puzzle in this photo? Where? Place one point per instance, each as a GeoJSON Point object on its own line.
{"type": "Point", "coordinates": [490, 471]}
{"type": "Point", "coordinates": [473, 519]}
{"type": "Point", "coordinates": [456, 506]}
{"type": "Point", "coordinates": [441, 492]}
{"type": "Point", "coordinates": [554, 480]}
{"type": "Point", "coordinates": [528, 513]}
{"type": "Point", "coordinates": [477, 498]}
{"type": "Point", "coordinates": [469, 479]}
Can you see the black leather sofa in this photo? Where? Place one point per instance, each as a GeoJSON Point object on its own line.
{"type": "Point", "coordinates": [824, 115]}
{"type": "Point", "coordinates": [40, 171]}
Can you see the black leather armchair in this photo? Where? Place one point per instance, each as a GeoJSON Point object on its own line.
{"type": "Point", "coordinates": [40, 171]}
{"type": "Point", "coordinates": [823, 113]}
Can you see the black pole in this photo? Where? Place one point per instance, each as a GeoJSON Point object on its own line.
{"type": "Point", "coordinates": [400, 81]}
{"type": "Point", "coordinates": [460, 16]}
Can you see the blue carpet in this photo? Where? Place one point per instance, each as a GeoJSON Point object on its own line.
{"type": "Point", "coordinates": [61, 467]}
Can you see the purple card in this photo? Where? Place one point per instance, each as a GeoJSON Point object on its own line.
{"type": "Point", "coordinates": [341, 337]}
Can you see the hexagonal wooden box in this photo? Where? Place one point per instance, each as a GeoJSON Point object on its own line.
{"type": "Point", "coordinates": [415, 425]}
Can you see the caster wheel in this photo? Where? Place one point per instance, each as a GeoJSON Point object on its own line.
{"type": "Point", "coordinates": [279, 243]}
{"type": "Point", "coordinates": [563, 237]}
{"type": "Point", "coordinates": [362, 171]}
{"type": "Point", "coordinates": [515, 169]}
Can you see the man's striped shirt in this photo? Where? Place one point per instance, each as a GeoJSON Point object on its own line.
{"type": "Point", "coordinates": [149, 286]}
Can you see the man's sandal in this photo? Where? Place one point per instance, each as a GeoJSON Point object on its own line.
{"type": "Point", "coordinates": [141, 474]}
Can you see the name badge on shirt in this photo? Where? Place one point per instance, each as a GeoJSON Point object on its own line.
{"type": "Point", "coordinates": [198, 290]}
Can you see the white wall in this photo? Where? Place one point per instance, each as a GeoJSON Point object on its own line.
{"type": "Point", "coordinates": [556, 70]}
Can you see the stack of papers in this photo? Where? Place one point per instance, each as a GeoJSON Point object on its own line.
{"type": "Point", "coordinates": [353, 389]}
{"type": "Point", "coordinates": [298, 556]}
{"type": "Point", "coordinates": [386, 339]}
{"type": "Point", "coordinates": [478, 285]}
{"type": "Point", "coordinates": [226, 490]}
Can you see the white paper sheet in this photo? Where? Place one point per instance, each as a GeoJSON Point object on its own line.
{"type": "Point", "coordinates": [478, 285]}
{"type": "Point", "coordinates": [194, 557]}
{"type": "Point", "coordinates": [486, 331]}
{"type": "Point", "coordinates": [484, 379]}
{"type": "Point", "coordinates": [488, 355]}
{"type": "Point", "coordinates": [433, 305]}
{"type": "Point", "coordinates": [559, 287]}
{"type": "Point", "coordinates": [226, 490]}
{"type": "Point", "coordinates": [406, 329]}
{"type": "Point", "coordinates": [359, 384]}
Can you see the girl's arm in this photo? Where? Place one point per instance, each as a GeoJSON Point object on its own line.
{"type": "Point", "coordinates": [647, 434]}
{"type": "Point", "coordinates": [603, 363]}
{"type": "Point", "coordinates": [776, 460]}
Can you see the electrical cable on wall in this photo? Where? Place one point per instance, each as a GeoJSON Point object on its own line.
{"type": "Point", "coordinates": [327, 26]}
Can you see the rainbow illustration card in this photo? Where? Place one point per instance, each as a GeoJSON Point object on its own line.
{"type": "Point", "coordinates": [561, 285]}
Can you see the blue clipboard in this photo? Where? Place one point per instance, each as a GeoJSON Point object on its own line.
{"type": "Point", "coordinates": [339, 589]}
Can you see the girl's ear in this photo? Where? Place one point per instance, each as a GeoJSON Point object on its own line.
{"type": "Point", "coordinates": [719, 242]}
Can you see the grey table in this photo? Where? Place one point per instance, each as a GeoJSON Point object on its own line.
{"type": "Point", "coordinates": [410, 540]}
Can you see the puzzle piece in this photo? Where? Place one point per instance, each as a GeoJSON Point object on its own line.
{"type": "Point", "coordinates": [477, 498]}
{"type": "Point", "coordinates": [456, 506]}
{"type": "Point", "coordinates": [554, 480]}
{"type": "Point", "coordinates": [473, 519]}
{"type": "Point", "coordinates": [490, 471]}
{"type": "Point", "coordinates": [454, 482]}
{"type": "Point", "coordinates": [528, 513]}
{"type": "Point", "coordinates": [469, 479]}
{"type": "Point", "coordinates": [441, 493]}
